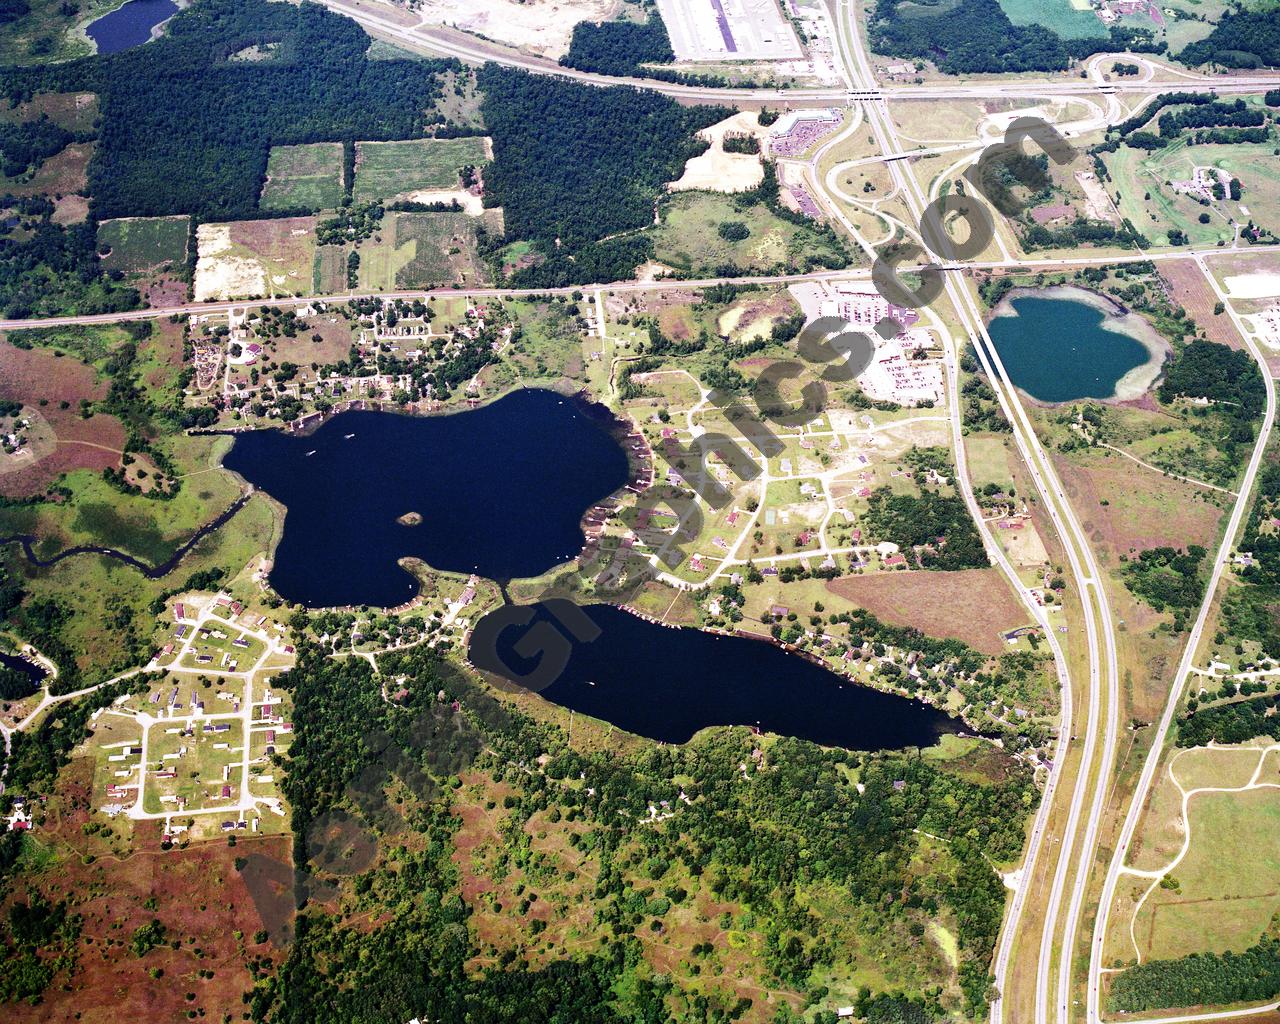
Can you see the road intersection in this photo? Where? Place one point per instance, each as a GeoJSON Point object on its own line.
{"type": "Point", "coordinates": [1069, 825]}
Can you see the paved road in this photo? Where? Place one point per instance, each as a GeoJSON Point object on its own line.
{"type": "Point", "coordinates": [1145, 780]}
{"type": "Point", "coordinates": [1100, 639]}
{"type": "Point", "coordinates": [389, 23]}
{"type": "Point", "coordinates": [665, 284]}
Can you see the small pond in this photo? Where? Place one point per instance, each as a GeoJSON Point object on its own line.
{"type": "Point", "coordinates": [1066, 344]}
{"type": "Point", "coordinates": [129, 25]}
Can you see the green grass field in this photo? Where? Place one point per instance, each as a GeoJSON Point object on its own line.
{"type": "Point", "coordinates": [303, 177]}
{"type": "Point", "coordinates": [689, 239]}
{"type": "Point", "coordinates": [387, 169]}
{"type": "Point", "coordinates": [424, 250]}
{"type": "Point", "coordinates": [139, 244]}
{"type": "Point", "coordinates": [1137, 174]}
{"type": "Point", "coordinates": [1230, 878]}
{"type": "Point", "coordinates": [1060, 16]}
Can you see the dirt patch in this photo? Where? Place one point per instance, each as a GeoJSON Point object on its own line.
{"type": "Point", "coordinates": [63, 173]}
{"type": "Point", "coordinates": [1189, 289]}
{"type": "Point", "coordinates": [538, 26]}
{"type": "Point", "coordinates": [165, 291]}
{"type": "Point", "coordinates": [70, 209]}
{"type": "Point", "coordinates": [472, 205]}
{"type": "Point", "coordinates": [29, 375]}
{"type": "Point", "coordinates": [718, 171]}
{"type": "Point", "coordinates": [973, 605]}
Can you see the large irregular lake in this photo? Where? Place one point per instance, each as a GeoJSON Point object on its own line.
{"type": "Point", "coordinates": [501, 491]}
{"type": "Point", "coordinates": [129, 25]}
{"type": "Point", "coordinates": [1065, 344]}
{"type": "Point", "coordinates": [667, 684]}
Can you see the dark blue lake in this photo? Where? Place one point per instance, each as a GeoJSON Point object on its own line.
{"type": "Point", "coordinates": [501, 491]}
{"type": "Point", "coordinates": [1061, 350]}
{"type": "Point", "coordinates": [667, 684]}
{"type": "Point", "coordinates": [129, 25]}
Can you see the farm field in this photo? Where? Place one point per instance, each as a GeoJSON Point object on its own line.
{"type": "Point", "coordinates": [255, 258]}
{"type": "Point", "coordinates": [303, 177]}
{"type": "Point", "coordinates": [973, 605]}
{"type": "Point", "coordinates": [1063, 17]}
{"type": "Point", "coordinates": [421, 250]}
{"type": "Point", "coordinates": [139, 244]}
{"type": "Point", "coordinates": [688, 238]}
{"type": "Point", "coordinates": [1136, 174]}
{"type": "Point", "coordinates": [385, 170]}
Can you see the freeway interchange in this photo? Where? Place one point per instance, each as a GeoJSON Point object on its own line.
{"type": "Point", "coordinates": [1061, 882]}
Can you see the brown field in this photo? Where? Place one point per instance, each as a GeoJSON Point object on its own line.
{"type": "Point", "coordinates": [973, 605]}
{"type": "Point", "coordinates": [1191, 291]}
{"type": "Point", "coordinates": [28, 375]}
{"type": "Point", "coordinates": [62, 174]}
{"type": "Point", "coordinates": [198, 896]}
{"type": "Point", "coordinates": [1143, 510]}
{"type": "Point", "coordinates": [74, 111]}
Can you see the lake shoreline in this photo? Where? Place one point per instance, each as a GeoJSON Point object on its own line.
{"type": "Point", "coordinates": [1133, 384]}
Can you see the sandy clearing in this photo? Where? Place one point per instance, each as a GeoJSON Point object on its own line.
{"type": "Point", "coordinates": [718, 171]}
{"type": "Point", "coordinates": [212, 239]}
{"type": "Point", "coordinates": [1253, 286]}
{"type": "Point", "coordinates": [228, 277]}
{"type": "Point", "coordinates": [472, 205]}
{"type": "Point", "coordinates": [537, 26]}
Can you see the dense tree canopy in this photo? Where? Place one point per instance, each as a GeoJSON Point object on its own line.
{"type": "Point", "coordinates": [185, 130]}
{"type": "Point", "coordinates": [1242, 39]}
{"type": "Point", "coordinates": [574, 163]}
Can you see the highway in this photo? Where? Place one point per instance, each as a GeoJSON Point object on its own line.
{"type": "Point", "coordinates": [1099, 635]}
{"type": "Point", "coordinates": [1150, 765]}
{"type": "Point", "coordinates": [1064, 834]}
{"type": "Point", "coordinates": [393, 24]}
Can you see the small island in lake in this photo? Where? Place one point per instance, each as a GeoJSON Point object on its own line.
{"type": "Point", "coordinates": [410, 519]}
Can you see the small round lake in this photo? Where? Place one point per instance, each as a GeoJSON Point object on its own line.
{"type": "Point", "coordinates": [28, 669]}
{"type": "Point", "coordinates": [129, 25]}
{"type": "Point", "coordinates": [667, 684]}
{"type": "Point", "coordinates": [1061, 349]}
{"type": "Point", "coordinates": [499, 491]}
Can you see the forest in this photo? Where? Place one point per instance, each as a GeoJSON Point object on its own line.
{"type": "Point", "coordinates": [798, 825]}
{"type": "Point", "coordinates": [185, 131]}
{"type": "Point", "coordinates": [975, 36]}
{"type": "Point", "coordinates": [1230, 723]}
{"type": "Point", "coordinates": [939, 526]}
{"type": "Point", "coordinates": [1167, 578]}
{"type": "Point", "coordinates": [574, 164]}
{"type": "Point", "coordinates": [1209, 979]}
{"type": "Point", "coordinates": [54, 269]}
{"type": "Point", "coordinates": [1228, 378]}
{"type": "Point", "coordinates": [1242, 39]}
{"type": "Point", "coordinates": [619, 47]}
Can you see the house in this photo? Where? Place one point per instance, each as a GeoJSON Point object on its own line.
{"type": "Point", "coordinates": [226, 792]}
